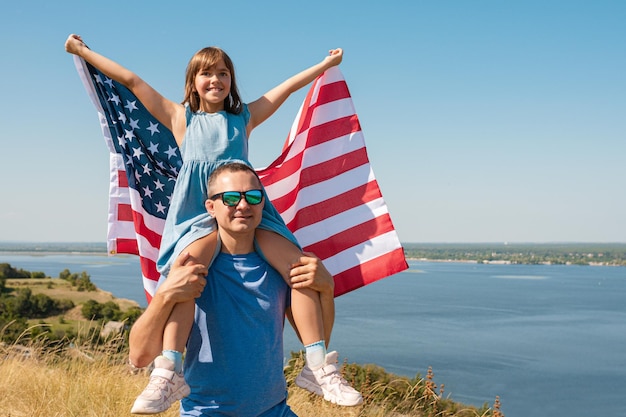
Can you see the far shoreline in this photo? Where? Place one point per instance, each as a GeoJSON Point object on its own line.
{"type": "Point", "coordinates": [467, 261]}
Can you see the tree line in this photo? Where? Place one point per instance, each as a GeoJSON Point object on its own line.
{"type": "Point", "coordinates": [522, 253]}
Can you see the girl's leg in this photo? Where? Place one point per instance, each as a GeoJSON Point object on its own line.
{"type": "Point", "coordinates": [167, 385]}
{"type": "Point", "coordinates": [322, 374]}
{"type": "Point", "coordinates": [179, 324]}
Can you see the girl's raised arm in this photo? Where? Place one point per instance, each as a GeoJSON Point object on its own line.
{"type": "Point", "coordinates": [169, 113]}
{"type": "Point", "coordinates": [262, 108]}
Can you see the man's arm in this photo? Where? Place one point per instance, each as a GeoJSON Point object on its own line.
{"type": "Point", "coordinates": [310, 272]}
{"type": "Point", "coordinates": [184, 282]}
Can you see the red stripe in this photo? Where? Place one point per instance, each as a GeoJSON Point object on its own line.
{"type": "Point", "coordinates": [127, 246]}
{"type": "Point", "coordinates": [122, 181]}
{"type": "Point", "coordinates": [334, 91]}
{"type": "Point", "coordinates": [153, 238]}
{"type": "Point", "coordinates": [305, 116]}
{"type": "Point", "coordinates": [353, 236]}
{"type": "Point", "coordinates": [320, 173]}
{"type": "Point", "coordinates": [335, 205]}
{"type": "Point", "coordinates": [333, 167]}
{"type": "Point", "coordinates": [371, 271]}
{"type": "Point", "coordinates": [333, 129]}
{"type": "Point", "coordinates": [277, 173]}
{"type": "Point", "coordinates": [124, 212]}
{"type": "Point", "coordinates": [327, 94]}
{"type": "Point", "coordinates": [149, 269]}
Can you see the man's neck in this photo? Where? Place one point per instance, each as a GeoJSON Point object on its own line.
{"type": "Point", "coordinates": [236, 244]}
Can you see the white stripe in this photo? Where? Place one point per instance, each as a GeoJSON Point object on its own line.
{"type": "Point", "coordinates": [331, 111]}
{"type": "Point", "coordinates": [367, 251]}
{"type": "Point", "coordinates": [328, 189]}
{"type": "Point", "coordinates": [150, 286]}
{"type": "Point", "coordinates": [151, 222]}
{"type": "Point", "coordinates": [330, 226]}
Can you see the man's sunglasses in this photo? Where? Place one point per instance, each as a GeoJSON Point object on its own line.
{"type": "Point", "coordinates": [232, 198]}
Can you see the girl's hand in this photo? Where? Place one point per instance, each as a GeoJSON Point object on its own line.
{"type": "Point", "coordinates": [74, 44]}
{"type": "Point", "coordinates": [334, 57]}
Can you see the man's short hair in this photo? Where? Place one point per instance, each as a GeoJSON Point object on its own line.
{"type": "Point", "coordinates": [231, 167]}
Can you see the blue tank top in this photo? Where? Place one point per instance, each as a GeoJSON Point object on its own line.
{"type": "Point", "coordinates": [234, 360]}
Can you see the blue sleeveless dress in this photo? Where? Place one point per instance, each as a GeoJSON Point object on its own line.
{"type": "Point", "coordinates": [211, 139]}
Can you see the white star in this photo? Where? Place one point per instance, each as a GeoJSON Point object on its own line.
{"type": "Point", "coordinates": [121, 141]}
{"type": "Point", "coordinates": [170, 152]}
{"type": "Point", "coordinates": [109, 82]}
{"type": "Point", "coordinates": [121, 116]}
{"type": "Point", "coordinates": [153, 128]}
{"type": "Point", "coordinates": [154, 148]}
{"type": "Point", "coordinates": [146, 169]}
{"type": "Point", "coordinates": [115, 99]}
{"type": "Point", "coordinates": [98, 78]}
{"type": "Point", "coordinates": [137, 176]}
{"type": "Point", "coordinates": [147, 192]}
{"type": "Point", "coordinates": [161, 165]}
{"type": "Point", "coordinates": [160, 208]}
{"type": "Point", "coordinates": [137, 153]}
{"type": "Point", "coordinates": [129, 134]}
{"type": "Point", "coordinates": [158, 185]}
{"type": "Point", "coordinates": [130, 105]}
{"type": "Point", "coordinates": [134, 124]}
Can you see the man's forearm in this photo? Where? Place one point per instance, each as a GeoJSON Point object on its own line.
{"type": "Point", "coordinates": [146, 335]}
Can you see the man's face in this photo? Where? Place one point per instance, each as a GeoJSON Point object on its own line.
{"type": "Point", "coordinates": [243, 218]}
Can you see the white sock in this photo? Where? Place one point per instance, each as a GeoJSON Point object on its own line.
{"type": "Point", "coordinates": [315, 354]}
{"type": "Point", "coordinates": [176, 357]}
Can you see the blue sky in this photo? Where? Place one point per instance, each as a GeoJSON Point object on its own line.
{"type": "Point", "coordinates": [485, 121]}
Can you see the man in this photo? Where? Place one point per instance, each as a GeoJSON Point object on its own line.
{"type": "Point", "coordinates": [234, 360]}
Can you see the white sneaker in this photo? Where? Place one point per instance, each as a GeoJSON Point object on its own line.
{"type": "Point", "coordinates": [328, 382]}
{"type": "Point", "coordinates": [164, 388]}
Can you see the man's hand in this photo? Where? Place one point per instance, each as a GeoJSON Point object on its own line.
{"type": "Point", "coordinates": [185, 281]}
{"type": "Point", "coordinates": [310, 272]}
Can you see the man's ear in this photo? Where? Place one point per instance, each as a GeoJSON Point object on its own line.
{"type": "Point", "coordinates": [210, 207]}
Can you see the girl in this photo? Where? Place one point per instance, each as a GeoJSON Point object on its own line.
{"type": "Point", "coordinates": [212, 125]}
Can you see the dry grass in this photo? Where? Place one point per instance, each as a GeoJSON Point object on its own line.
{"type": "Point", "coordinates": [96, 382]}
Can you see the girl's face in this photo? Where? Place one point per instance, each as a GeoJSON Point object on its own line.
{"type": "Point", "coordinates": [213, 87]}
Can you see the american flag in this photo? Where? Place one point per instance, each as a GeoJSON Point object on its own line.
{"type": "Point", "coordinates": [322, 183]}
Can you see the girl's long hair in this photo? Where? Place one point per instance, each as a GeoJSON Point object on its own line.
{"type": "Point", "coordinates": [204, 59]}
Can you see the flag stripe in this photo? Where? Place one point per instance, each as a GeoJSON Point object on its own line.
{"type": "Point", "coordinates": [308, 235]}
{"type": "Point", "coordinates": [385, 265]}
{"type": "Point", "coordinates": [125, 213]}
{"type": "Point", "coordinates": [351, 237]}
{"type": "Point", "coordinates": [336, 205]}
